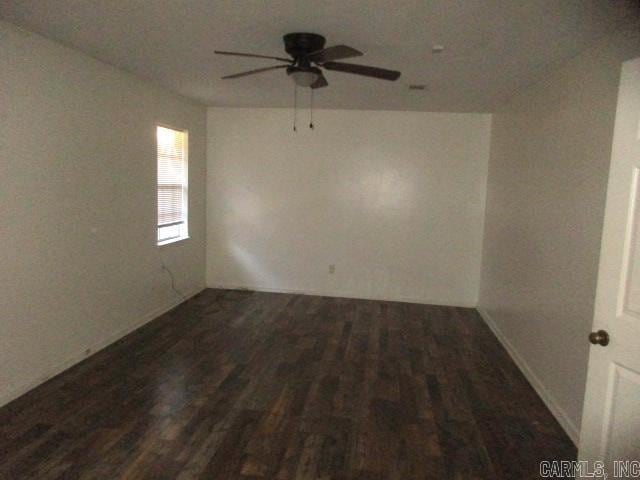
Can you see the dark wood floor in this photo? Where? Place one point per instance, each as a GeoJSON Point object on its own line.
{"type": "Point", "coordinates": [247, 385]}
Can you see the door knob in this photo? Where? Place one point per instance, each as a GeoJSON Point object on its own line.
{"type": "Point", "coordinates": [600, 337]}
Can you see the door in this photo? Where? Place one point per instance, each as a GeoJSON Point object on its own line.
{"type": "Point", "coordinates": [611, 416]}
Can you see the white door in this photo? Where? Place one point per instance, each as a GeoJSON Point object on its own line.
{"type": "Point", "coordinates": [611, 416]}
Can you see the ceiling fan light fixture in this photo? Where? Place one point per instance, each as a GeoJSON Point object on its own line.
{"type": "Point", "coordinates": [304, 77]}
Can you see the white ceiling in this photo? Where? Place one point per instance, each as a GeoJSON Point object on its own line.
{"type": "Point", "coordinates": [493, 47]}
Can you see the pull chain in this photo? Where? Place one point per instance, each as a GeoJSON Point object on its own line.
{"type": "Point", "coordinates": [311, 112]}
{"type": "Point", "coordinates": [295, 106]}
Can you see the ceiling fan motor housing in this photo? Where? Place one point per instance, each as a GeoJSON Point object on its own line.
{"type": "Point", "coordinates": [300, 45]}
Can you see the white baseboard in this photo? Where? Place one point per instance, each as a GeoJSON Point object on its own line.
{"type": "Point", "coordinates": [558, 412]}
{"type": "Point", "coordinates": [21, 389]}
{"type": "Point", "coordinates": [321, 293]}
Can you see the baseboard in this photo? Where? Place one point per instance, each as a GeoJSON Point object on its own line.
{"type": "Point", "coordinates": [21, 389]}
{"type": "Point", "coordinates": [551, 403]}
{"type": "Point", "coordinates": [322, 293]}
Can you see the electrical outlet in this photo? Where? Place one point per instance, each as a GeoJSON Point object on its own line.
{"type": "Point", "coordinates": [332, 269]}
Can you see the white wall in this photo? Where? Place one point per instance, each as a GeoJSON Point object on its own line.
{"type": "Point", "coordinates": [395, 200]}
{"type": "Point", "coordinates": [78, 261]}
{"type": "Point", "coordinates": [550, 153]}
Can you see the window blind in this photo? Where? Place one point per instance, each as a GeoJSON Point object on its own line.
{"type": "Point", "coordinates": [171, 177]}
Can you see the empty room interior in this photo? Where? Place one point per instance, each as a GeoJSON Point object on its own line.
{"type": "Point", "coordinates": [286, 239]}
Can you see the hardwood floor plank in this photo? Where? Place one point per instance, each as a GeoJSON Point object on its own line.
{"type": "Point", "coordinates": [247, 385]}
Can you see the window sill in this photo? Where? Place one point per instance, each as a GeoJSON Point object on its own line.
{"type": "Point", "coordinates": [172, 240]}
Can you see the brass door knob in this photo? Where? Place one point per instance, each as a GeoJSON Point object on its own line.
{"type": "Point", "coordinates": [600, 337]}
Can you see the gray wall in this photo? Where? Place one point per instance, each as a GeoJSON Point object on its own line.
{"type": "Point", "coordinates": [394, 200]}
{"type": "Point", "coordinates": [548, 168]}
{"type": "Point", "coordinates": [78, 256]}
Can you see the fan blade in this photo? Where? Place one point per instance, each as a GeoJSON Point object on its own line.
{"type": "Point", "coordinates": [253, 72]}
{"type": "Point", "coordinates": [365, 70]}
{"type": "Point", "coordinates": [237, 54]}
{"type": "Point", "coordinates": [320, 82]}
{"type": "Point", "coordinates": [334, 53]}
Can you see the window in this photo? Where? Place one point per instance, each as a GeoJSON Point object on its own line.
{"type": "Point", "coordinates": [172, 185]}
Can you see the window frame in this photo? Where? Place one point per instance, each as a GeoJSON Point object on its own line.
{"type": "Point", "coordinates": [184, 226]}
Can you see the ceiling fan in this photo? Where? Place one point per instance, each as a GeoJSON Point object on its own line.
{"type": "Point", "coordinates": [308, 55]}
